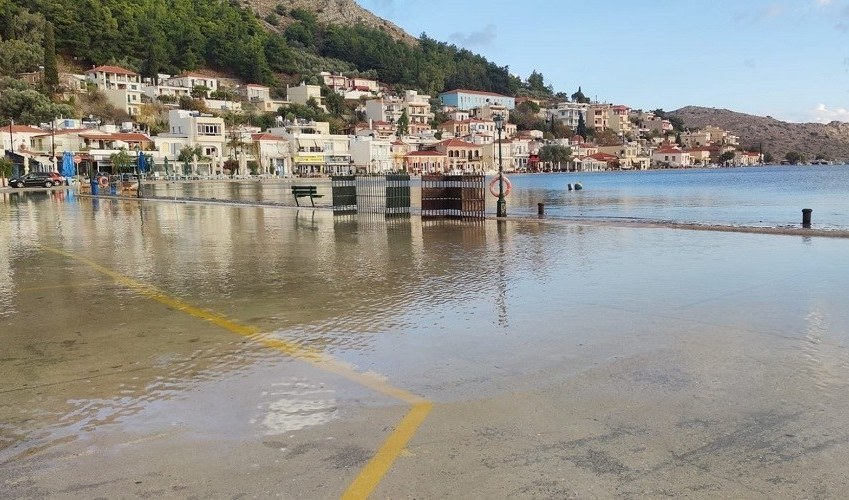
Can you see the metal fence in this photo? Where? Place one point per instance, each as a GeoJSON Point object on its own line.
{"type": "Point", "coordinates": [378, 194]}
{"type": "Point", "coordinates": [453, 197]}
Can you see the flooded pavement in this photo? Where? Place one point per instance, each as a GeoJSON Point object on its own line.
{"type": "Point", "coordinates": [164, 349]}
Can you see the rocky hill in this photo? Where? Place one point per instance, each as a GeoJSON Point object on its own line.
{"type": "Point", "coordinates": [777, 137]}
{"type": "Point", "coordinates": [341, 12]}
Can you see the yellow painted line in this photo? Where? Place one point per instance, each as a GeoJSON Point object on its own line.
{"type": "Point", "coordinates": [373, 472]}
{"type": "Point", "coordinates": [371, 475]}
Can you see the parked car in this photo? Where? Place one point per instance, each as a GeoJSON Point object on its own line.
{"type": "Point", "coordinates": [58, 180]}
{"type": "Point", "coordinates": [44, 179]}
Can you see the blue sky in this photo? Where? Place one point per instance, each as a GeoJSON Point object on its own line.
{"type": "Point", "coordinates": [788, 59]}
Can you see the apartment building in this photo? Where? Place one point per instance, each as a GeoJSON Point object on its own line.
{"type": "Point", "coordinates": [121, 86]}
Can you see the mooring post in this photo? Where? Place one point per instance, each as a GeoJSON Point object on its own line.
{"type": "Point", "coordinates": [806, 217]}
{"type": "Point", "coordinates": [540, 208]}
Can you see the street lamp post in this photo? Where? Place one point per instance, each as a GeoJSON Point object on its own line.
{"type": "Point", "coordinates": [501, 206]}
{"type": "Point", "coordinates": [53, 143]}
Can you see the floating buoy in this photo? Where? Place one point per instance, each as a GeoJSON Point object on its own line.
{"type": "Point", "coordinates": [578, 186]}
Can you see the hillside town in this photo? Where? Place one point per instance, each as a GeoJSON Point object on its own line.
{"type": "Point", "coordinates": [459, 131]}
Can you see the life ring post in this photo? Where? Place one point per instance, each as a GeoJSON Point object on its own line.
{"type": "Point", "coordinates": [493, 186]}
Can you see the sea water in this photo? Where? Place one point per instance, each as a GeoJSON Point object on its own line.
{"type": "Point", "coordinates": [767, 196]}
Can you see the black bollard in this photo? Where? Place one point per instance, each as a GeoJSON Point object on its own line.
{"type": "Point", "coordinates": [806, 217]}
{"type": "Point", "coordinates": [540, 208]}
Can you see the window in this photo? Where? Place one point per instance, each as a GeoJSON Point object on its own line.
{"type": "Point", "coordinates": [208, 129]}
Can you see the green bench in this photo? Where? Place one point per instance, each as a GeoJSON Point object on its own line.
{"type": "Point", "coordinates": [304, 191]}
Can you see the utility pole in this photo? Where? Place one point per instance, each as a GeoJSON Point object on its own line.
{"type": "Point", "coordinates": [53, 143]}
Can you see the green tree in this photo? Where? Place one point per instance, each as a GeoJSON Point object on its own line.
{"type": "Point", "coordinates": [536, 82]}
{"type": "Point", "coordinates": [403, 124]}
{"type": "Point", "coordinates": [794, 157]}
{"type": "Point", "coordinates": [769, 158]}
{"type": "Point", "coordinates": [51, 71]}
{"type": "Point", "coordinates": [200, 91]}
{"type": "Point", "coordinates": [18, 56]}
{"type": "Point", "coordinates": [121, 161]}
{"type": "Point", "coordinates": [580, 97]}
{"type": "Point", "coordinates": [555, 155]}
{"type": "Point", "coordinates": [582, 126]}
{"type": "Point", "coordinates": [334, 102]}
{"type": "Point", "coordinates": [31, 106]}
{"type": "Point", "coordinates": [726, 157]}
{"type": "Point", "coordinates": [5, 170]}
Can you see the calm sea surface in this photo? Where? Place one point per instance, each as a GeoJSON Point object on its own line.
{"type": "Point", "coordinates": [770, 196]}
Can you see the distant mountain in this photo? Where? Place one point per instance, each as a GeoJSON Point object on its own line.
{"type": "Point", "coordinates": [777, 137]}
{"type": "Point", "coordinates": [338, 12]}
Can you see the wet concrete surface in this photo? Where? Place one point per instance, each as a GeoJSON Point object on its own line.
{"type": "Point", "coordinates": [562, 360]}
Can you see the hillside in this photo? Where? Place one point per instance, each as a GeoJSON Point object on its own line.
{"type": "Point", "coordinates": [337, 12]}
{"type": "Point", "coordinates": [777, 137]}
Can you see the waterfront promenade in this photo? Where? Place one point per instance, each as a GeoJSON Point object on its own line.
{"type": "Point", "coordinates": [178, 350]}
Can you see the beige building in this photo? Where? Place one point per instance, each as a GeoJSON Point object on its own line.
{"type": "Point", "coordinates": [461, 156]}
{"type": "Point", "coordinates": [122, 87]}
{"type": "Point", "coordinates": [697, 139]}
{"type": "Point", "coordinates": [390, 108]}
{"type": "Point", "coordinates": [620, 119]}
{"type": "Point", "coordinates": [303, 93]}
{"type": "Point", "coordinates": [598, 116]}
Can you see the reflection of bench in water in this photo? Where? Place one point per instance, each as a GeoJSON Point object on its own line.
{"type": "Point", "coordinates": [304, 191]}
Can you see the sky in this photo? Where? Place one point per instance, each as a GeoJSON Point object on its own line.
{"type": "Point", "coordinates": [788, 59]}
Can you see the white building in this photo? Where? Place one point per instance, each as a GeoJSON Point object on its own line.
{"type": "Point", "coordinates": [371, 155]}
{"type": "Point", "coordinates": [192, 80]}
{"type": "Point", "coordinates": [192, 129]}
{"type": "Point", "coordinates": [568, 113]}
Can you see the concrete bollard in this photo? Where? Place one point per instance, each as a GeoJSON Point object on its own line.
{"type": "Point", "coordinates": [540, 208]}
{"type": "Point", "coordinates": [806, 217]}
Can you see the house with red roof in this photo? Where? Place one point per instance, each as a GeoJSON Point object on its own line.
{"type": "Point", "coordinates": [14, 137]}
{"type": "Point", "coordinates": [461, 155]}
{"type": "Point", "coordinates": [429, 161]}
{"type": "Point", "coordinates": [671, 156]}
{"type": "Point", "coordinates": [272, 153]}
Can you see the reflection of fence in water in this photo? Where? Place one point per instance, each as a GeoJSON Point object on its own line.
{"type": "Point", "coordinates": [453, 197]}
{"type": "Point", "coordinates": [380, 194]}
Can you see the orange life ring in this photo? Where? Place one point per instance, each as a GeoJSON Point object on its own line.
{"type": "Point", "coordinates": [493, 186]}
{"type": "Point", "coordinates": [103, 181]}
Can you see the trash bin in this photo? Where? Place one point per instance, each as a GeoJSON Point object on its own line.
{"type": "Point", "coordinates": [95, 189]}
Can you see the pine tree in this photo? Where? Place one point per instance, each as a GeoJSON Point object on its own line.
{"type": "Point", "coordinates": [403, 124]}
{"type": "Point", "coordinates": [582, 126]}
{"type": "Point", "coordinates": [51, 72]}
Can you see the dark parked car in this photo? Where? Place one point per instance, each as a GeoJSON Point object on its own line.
{"type": "Point", "coordinates": [44, 179]}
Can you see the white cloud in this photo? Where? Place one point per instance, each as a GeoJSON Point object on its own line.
{"type": "Point", "coordinates": [823, 114]}
{"type": "Point", "coordinates": [823, 2]}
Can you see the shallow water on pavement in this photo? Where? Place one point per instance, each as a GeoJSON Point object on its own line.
{"type": "Point", "coordinates": [454, 312]}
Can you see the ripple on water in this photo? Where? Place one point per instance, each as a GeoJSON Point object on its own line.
{"type": "Point", "coordinates": [296, 404]}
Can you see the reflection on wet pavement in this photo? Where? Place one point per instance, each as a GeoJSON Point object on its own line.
{"type": "Point", "coordinates": [627, 357]}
